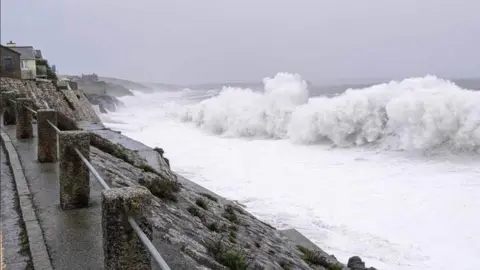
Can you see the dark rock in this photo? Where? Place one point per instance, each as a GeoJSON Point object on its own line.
{"type": "Point", "coordinates": [161, 152]}
{"type": "Point", "coordinates": [102, 109]}
{"type": "Point", "coordinates": [105, 102]}
{"type": "Point", "coordinates": [356, 263]}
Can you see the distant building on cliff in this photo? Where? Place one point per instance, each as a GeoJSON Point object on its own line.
{"type": "Point", "coordinates": [89, 78]}
{"type": "Point", "coordinates": [90, 84]}
{"type": "Point", "coordinates": [9, 63]}
{"type": "Point", "coordinates": [28, 64]}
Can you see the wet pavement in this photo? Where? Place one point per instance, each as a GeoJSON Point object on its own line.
{"type": "Point", "coordinates": [73, 238]}
{"type": "Point", "coordinates": [16, 254]}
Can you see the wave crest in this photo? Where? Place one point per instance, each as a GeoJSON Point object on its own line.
{"type": "Point", "coordinates": [416, 113]}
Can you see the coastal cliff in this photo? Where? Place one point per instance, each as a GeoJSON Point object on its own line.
{"type": "Point", "coordinates": [195, 228]}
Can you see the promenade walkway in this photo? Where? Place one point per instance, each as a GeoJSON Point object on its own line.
{"type": "Point", "coordinates": [73, 238]}
{"type": "Point", "coordinates": [12, 237]}
{"type": "Point", "coordinates": [60, 239]}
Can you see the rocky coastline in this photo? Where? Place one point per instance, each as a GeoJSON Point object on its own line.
{"type": "Point", "coordinates": [104, 91]}
{"type": "Point", "coordinates": [105, 103]}
{"type": "Point", "coordinates": [195, 228]}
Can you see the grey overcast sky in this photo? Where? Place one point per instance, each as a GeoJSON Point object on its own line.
{"type": "Point", "coordinates": [180, 41]}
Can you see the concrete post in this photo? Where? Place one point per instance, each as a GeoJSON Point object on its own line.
{"type": "Point", "coordinates": [74, 176]}
{"type": "Point", "coordinates": [24, 118]}
{"type": "Point", "coordinates": [121, 246]}
{"type": "Point", "coordinates": [9, 117]}
{"type": "Point", "coordinates": [47, 136]}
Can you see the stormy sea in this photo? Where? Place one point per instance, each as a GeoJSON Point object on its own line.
{"type": "Point", "coordinates": [389, 172]}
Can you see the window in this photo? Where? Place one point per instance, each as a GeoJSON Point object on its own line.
{"type": "Point", "coordinates": [8, 62]}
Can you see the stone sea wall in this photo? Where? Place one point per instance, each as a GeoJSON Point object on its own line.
{"type": "Point", "coordinates": [72, 105]}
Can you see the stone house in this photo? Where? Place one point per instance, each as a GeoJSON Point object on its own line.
{"type": "Point", "coordinates": [9, 63]}
{"type": "Point", "coordinates": [28, 64]}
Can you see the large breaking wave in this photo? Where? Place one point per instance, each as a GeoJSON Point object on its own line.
{"type": "Point", "coordinates": [416, 113]}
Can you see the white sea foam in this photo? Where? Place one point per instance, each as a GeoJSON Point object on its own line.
{"type": "Point", "coordinates": [396, 210]}
{"type": "Point", "coordinates": [416, 113]}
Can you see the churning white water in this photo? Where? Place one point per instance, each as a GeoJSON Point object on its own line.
{"type": "Point", "coordinates": [389, 173]}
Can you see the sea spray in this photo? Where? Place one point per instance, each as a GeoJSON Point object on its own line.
{"type": "Point", "coordinates": [416, 113]}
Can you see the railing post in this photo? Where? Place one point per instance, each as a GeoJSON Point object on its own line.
{"type": "Point", "coordinates": [9, 117]}
{"type": "Point", "coordinates": [121, 246]}
{"type": "Point", "coordinates": [74, 176]}
{"type": "Point", "coordinates": [47, 136]}
{"type": "Point", "coordinates": [24, 118]}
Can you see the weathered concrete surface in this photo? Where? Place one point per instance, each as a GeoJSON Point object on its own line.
{"type": "Point", "coordinates": [15, 253]}
{"type": "Point", "coordinates": [33, 234]}
{"type": "Point", "coordinates": [70, 103]}
{"type": "Point", "coordinates": [73, 238]}
{"type": "Point", "coordinates": [24, 118]}
{"type": "Point", "coordinates": [74, 175]}
{"type": "Point", "coordinates": [47, 150]}
{"type": "Point", "coordinates": [122, 247]}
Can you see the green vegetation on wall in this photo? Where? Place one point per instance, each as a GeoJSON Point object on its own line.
{"type": "Point", "coordinates": [50, 74]}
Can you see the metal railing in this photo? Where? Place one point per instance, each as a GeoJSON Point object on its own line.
{"type": "Point", "coordinates": [148, 244]}
{"type": "Point", "coordinates": [31, 110]}
{"type": "Point", "coordinates": [141, 235]}
{"type": "Point", "coordinates": [54, 126]}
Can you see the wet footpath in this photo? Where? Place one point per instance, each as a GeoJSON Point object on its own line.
{"type": "Point", "coordinates": [15, 249]}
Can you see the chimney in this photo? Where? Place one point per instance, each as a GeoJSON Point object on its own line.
{"type": "Point", "coordinates": [11, 44]}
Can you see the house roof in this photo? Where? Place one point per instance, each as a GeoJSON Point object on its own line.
{"type": "Point", "coordinates": [38, 53]}
{"type": "Point", "coordinates": [26, 52]}
{"type": "Point", "coordinates": [9, 49]}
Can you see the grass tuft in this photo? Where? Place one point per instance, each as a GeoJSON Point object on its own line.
{"type": "Point", "coordinates": [232, 236]}
{"type": "Point", "coordinates": [229, 213]}
{"type": "Point", "coordinates": [313, 257]}
{"type": "Point", "coordinates": [213, 227]}
{"type": "Point", "coordinates": [163, 188]}
{"type": "Point", "coordinates": [231, 258]}
{"type": "Point", "coordinates": [196, 212]}
{"type": "Point", "coordinates": [210, 197]}
{"type": "Point", "coordinates": [147, 168]}
{"type": "Point", "coordinates": [202, 203]}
